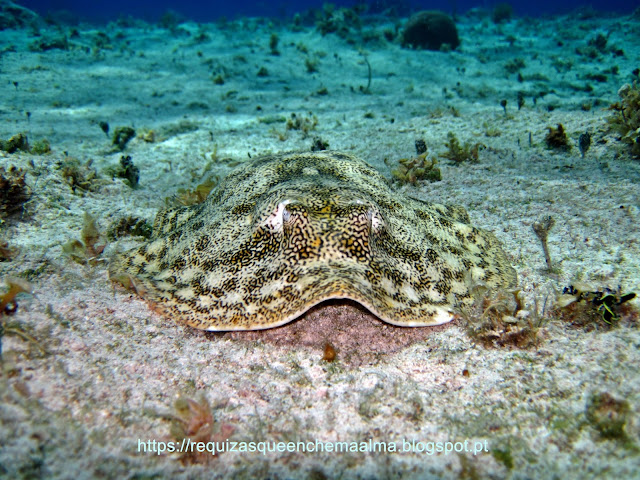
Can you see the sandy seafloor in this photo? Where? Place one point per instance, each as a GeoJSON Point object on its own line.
{"type": "Point", "coordinates": [115, 368]}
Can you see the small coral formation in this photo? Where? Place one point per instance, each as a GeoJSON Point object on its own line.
{"type": "Point", "coordinates": [608, 415]}
{"type": "Point", "coordinates": [148, 136]}
{"type": "Point", "coordinates": [411, 170]}
{"type": "Point", "coordinates": [186, 197]}
{"type": "Point", "coordinates": [121, 136]}
{"type": "Point", "coordinates": [14, 191]}
{"type": "Point", "coordinates": [86, 251]}
{"type": "Point", "coordinates": [41, 147]}
{"type": "Point", "coordinates": [626, 120]}
{"type": "Point", "coordinates": [431, 30]}
{"type": "Point", "coordinates": [502, 321]}
{"type": "Point", "coordinates": [78, 176]}
{"type": "Point", "coordinates": [583, 306]}
{"type": "Point", "coordinates": [16, 143]}
{"type": "Point", "coordinates": [340, 21]}
{"type": "Point", "coordinates": [128, 171]}
{"type": "Point", "coordinates": [461, 153]}
{"type": "Point", "coordinates": [557, 138]}
{"type": "Point", "coordinates": [20, 143]}
{"type": "Point", "coordinates": [192, 424]}
{"type": "Point", "coordinates": [129, 226]}
{"type": "Point", "coordinates": [302, 123]}
{"type": "Point", "coordinates": [319, 144]}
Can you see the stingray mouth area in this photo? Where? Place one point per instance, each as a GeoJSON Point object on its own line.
{"type": "Point", "coordinates": [257, 316]}
{"type": "Point", "coordinates": [389, 310]}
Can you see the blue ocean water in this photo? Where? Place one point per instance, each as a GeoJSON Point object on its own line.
{"type": "Point", "coordinates": [203, 11]}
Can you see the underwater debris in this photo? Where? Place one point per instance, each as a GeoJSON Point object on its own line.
{"type": "Point", "coordinates": [128, 171]}
{"type": "Point", "coordinates": [193, 422]}
{"type": "Point", "coordinates": [541, 228]}
{"type": "Point", "coordinates": [626, 120]}
{"type": "Point", "coordinates": [459, 153]}
{"type": "Point", "coordinates": [16, 143]}
{"type": "Point", "coordinates": [557, 138]}
{"type": "Point", "coordinates": [14, 192]}
{"type": "Point", "coordinates": [582, 306]}
{"type": "Point", "coordinates": [608, 415]}
{"type": "Point", "coordinates": [411, 170]}
{"type": "Point", "coordinates": [86, 251]}
{"type": "Point", "coordinates": [129, 226]}
{"type": "Point", "coordinates": [431, 30]}
{"type": "Point", "coordinates": [121, 136]}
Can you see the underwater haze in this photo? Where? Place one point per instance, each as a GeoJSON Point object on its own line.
{"type": "Point", "coordinates": [207, 11]}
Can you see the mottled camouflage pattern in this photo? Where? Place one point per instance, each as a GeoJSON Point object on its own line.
{"type": "Point", "coordinates": [285, 232]}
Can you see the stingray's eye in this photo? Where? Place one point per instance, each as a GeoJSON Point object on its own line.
{"type": "Point", "coordinates": [375, 220]}
{"type": "Point", "coordinates": [278, 217]}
